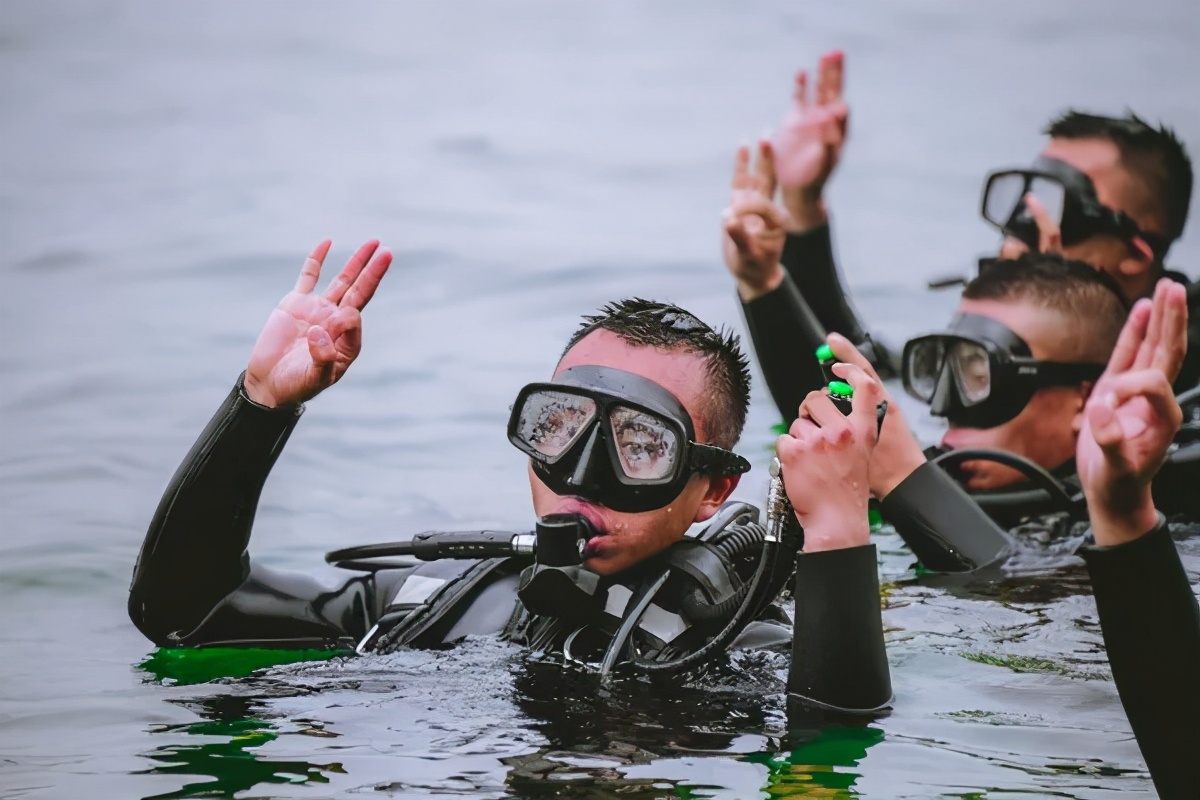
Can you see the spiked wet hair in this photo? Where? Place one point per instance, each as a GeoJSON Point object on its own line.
{"type": "Point", "coordinates": [1154, 156]}
{"type": "Point", "coordinates": [646, 323]}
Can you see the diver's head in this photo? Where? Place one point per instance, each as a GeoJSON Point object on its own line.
{"type": "Point", "coordinates": [641, 471]}
{"type": "Point", "coordinates": [1122, 198]}
{"type": "Point", "coordinates": [1014, 369]}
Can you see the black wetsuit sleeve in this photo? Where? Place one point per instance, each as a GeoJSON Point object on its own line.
{"type": "Point", "coordinates": [941, 524]}
{"type": "Point", "coordinates": [785, 332]}
{"type": "Point", "coordinates": [809, 262]}
{"type": "Point", "coordinates": [1189, 371]}
{"type": "Point", "coordinates": [193, 582]}
{"type": "Point", "coordinates": [839, 660]}
{"type": "Point", "coordinates": [1151, 627]}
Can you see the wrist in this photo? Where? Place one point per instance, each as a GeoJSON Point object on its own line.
{"type": "Point", "coordinates": [888, 473]}
{"type": "Point", "coordinates": [750, 290]}
{"type": "Point", "coordinates": [806, 210]}
{"type": "Point", "coordinates": [1118, 525]}
{"type": "Point", "coordinates": [257, 393]}
{"type": "Point", "coordinates": [836, 531]}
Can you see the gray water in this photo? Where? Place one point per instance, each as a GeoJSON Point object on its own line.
{"type": "Point", "coordinates": [164, 168]}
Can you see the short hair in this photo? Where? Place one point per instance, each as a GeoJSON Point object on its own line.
{"type": "Point", "coordinates": [1090, 298]}
{"type": "Point", "coordinates": [1154, 156]}
{"type": "Point", "coordinates": [647, 323]}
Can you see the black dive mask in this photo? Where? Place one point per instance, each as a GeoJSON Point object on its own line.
{"type": "Point", "coordinates": [1068, 195]}
{"type": "Point", "coordinates": [979, 374]}
{"type": "Point", "coordinates": [612, 437]}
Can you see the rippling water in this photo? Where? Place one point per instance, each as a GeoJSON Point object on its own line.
{"type": "Point", "coordinates": [165, 167]}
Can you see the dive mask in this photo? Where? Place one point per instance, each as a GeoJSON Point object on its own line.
{"type": "Point", "coordinates": [979, 374]}
{"type": "Point", "coordinates": [1068, 195]}
{"type": "Point", "coordinates": [612, 437]}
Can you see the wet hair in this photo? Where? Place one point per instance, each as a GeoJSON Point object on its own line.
{"type": "Point", "coordinates": [646, 323]}
{"type": "Point", "coordinates": [1090, 298]}
{"type": "Point", "coordinates": [1155, 156]}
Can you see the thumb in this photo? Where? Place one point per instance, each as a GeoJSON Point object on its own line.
{"type": "Point", "coordinates": [736, 230]}
{"type": "Point", "coordinates": [321, 348]}
{"type": "Point", "coordinates": [1106, 429]}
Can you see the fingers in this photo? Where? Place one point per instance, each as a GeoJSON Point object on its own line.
{"type": "Point", "coordinates": [1106, 429]}
{"type": "Point", "coordinates": [756, 205]}
{"type": "Point", "coordinates": [323, 353]}
{"type": "Point", "coordinates": [1130, 340]}
{"type": "Point", "coordinates": [339, 285]}
{"type": "Point", "coordinates": [829, 81]}
{"type": "Point", "coordinates": [1173, 342]}
{"type": "Point", "coordinates": [741, 168]}
{"type": "Point", "coordinates": [311, 270]}
{"type": "Point", "coordinates": [820, 409]}
{"type": "Point", "coordinates": [1012, 248]}
{"type": "Point", "coordinates": [765, 167]}
{"type": "Point", "coordinates": [868, 393]}
{"type": "Point", "coordinates": [1166, 332]}
{"type": "Point", "coordinates": [1150, 384]}
{"type": "Point", "coordinates": [847, 353]}
{"type": "Point", "coordinates": [363, 288]}
{"type": "Point", "coordinates": [800, 94]}
{"type": "Point", "coordinates": [1049, 235]}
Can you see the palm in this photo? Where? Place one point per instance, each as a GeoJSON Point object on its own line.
{"type": "Point", "coordinates": [310, 340]}
{"type": "Point", "coordinates": [1145, 435]}
{"type": "Point", "coordinates": [808, 145]}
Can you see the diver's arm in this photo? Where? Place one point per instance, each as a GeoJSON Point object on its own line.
{"type": "Point", "coordinates": [941, 524]}
{"type": "Point", "coordinates": [194, 559]}
{"type": "Point", "coordinates": [785, 332]}
{"type": "Point", "coordinates": [838, 655]}
{"type": "Point", "coordinates": [808, 259]}
{"type": "Point", "coordinates": [1151, 627]}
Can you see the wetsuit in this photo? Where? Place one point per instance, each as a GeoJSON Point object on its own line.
{"type": "Point", "coordinates": [1148, 613]}
{"type": "Point", "coordinates": [788, 323]}
{"type": "Point", "coordinates": [1151, 627]}
{"type": "Point", "coordinates": [195, 585]}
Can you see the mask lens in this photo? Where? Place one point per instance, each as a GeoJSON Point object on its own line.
{"type": "Point", "coordinates": [646, 447]}
{"type": "Point", "coordinates": [1004, 193]}
{"type": "Point", "coordinates": [922, 367]}
{"type": "Point", "coordinates": [1051, 194]}
{"type": "Point", "coordinates": [551, 422]}
{"type": "Point", "coordinates": [972, 372]}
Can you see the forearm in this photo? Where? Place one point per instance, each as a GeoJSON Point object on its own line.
{"type": "Point", "coordinates": [941, 524]}
{"type": "Point", "coordinates": [785, 333]}
{"type": "Point", "coordinates": [1151, 627]}
{"type": "Point", "coordinates": [194, 553]}
{"type": "Point", "coordinates": [838, 655]}
{"type": "Point", "coordinates": [809, 261]}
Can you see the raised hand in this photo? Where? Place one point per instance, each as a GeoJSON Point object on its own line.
{"type": "Point", "coordinates": [310, 340]}
{"type": "Point", "coordinates": [1131, 417]}
{"type": "Point", "coordinates": [826, 457]}
{"type": "Point", "coordinates": [808, 144]}
{"type": "Point", "coordinates": [754, 226]}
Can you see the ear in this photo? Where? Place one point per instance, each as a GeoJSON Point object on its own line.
{"type": "Point", "coordinates": [1141, 258]}
{"type": "Point", "coordinates": [1085, 391]}
{"type": "Point", "coordinates": [718, 491]}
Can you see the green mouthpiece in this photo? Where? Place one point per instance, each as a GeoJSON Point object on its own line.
{"type": "Point", "coordinates": [841, 389]}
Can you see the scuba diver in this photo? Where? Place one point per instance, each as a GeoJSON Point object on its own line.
{"type": "Point", "coordinates": [1112, 192]}
{"type": "Point", "coordinates": [629, 443]}
{"type": "Point", "coordinates": [792, 296]}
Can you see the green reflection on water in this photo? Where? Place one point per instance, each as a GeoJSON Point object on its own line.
{"type": "Point", "coordinates": [230, 763]}
{"type": "Point", "coordinates": [810, 769]}
{"type": "Point", "coordinates": [186, 666]}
